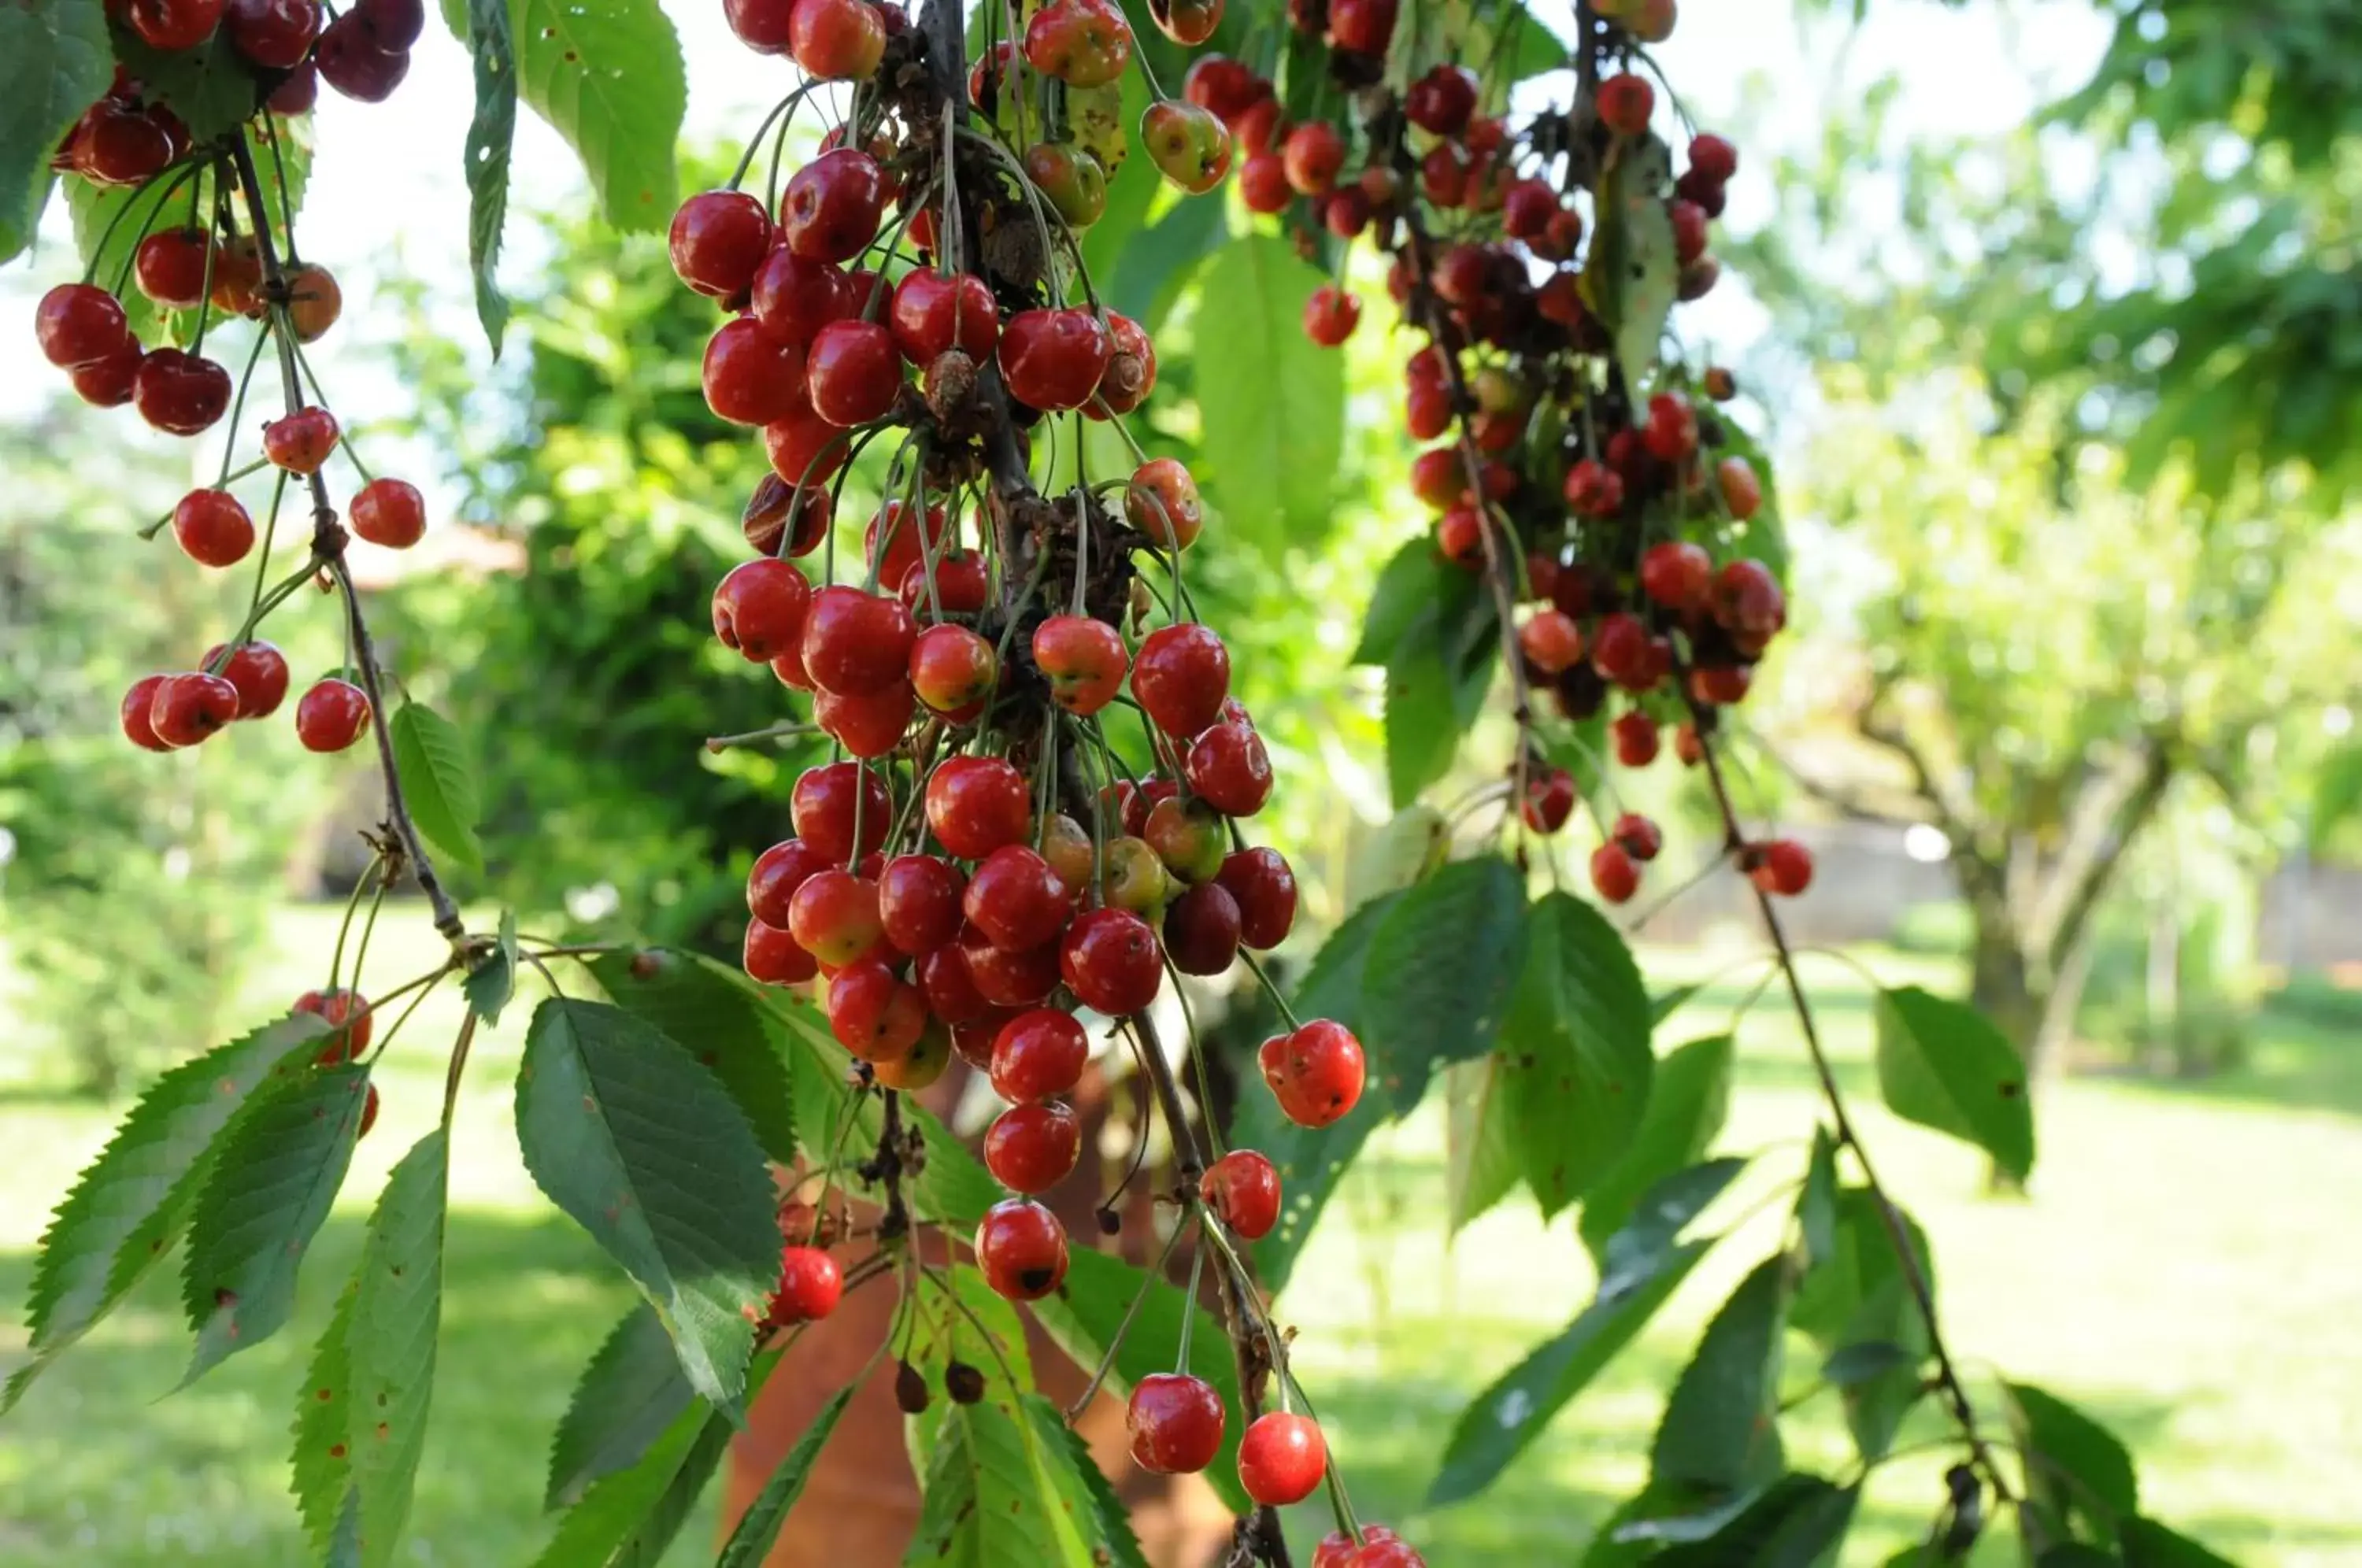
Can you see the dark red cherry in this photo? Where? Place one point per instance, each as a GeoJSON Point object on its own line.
{"type": "Point", "coordinates": [779, 871]}
{"type": "Point", "coordinates": [331, 716]}
{"type": "Point", "coordinates": [1201, 930]}
{"type": "Point", "coordinates": [1021, 1249]}
{"type": "Point", "coordinates": [1175, 1423]}
{"type": "Point", "coordinates": [751, 375]}
{"type": "Point", "coordinates": [1180, 677]}
{"type": "Point", "coordinates": [1228, 768]}
{"type": "Point", "coordinates": [1053, 360]}
{"type": "Point", "coordinates": [213, 528]}
{"type": "Point", "coordinates": [1242, 1189]}
{"type": "Point", "coordinates": [830, 209]}
{"type": "Point", "coordinates": [1016, 900]}
{"type": "Point", "coordinates": [1038, 1055]}
{"type": "Point", "coordinates": [933, 314]}
{"type": "Point", "coordinates": [180, 394]}
{"type": "Point", "coordinates": [918, 900]}
{"type": "Point", "coordinates": [759, 608]}
{"type": "Point", "coordinates": [1112, 962]}
{"type": "Point", "coordinates": [853, 372]}
{"type": "Point", "coordinates": [1264, 887]}
{"type": "Point", "coordinates": [189, 708]}
{"type": "Point", "coordinates": [1030, 1148]}
{"type": "Point", "coordinates": [718, 239]}
{"type": "Point", "coordinates": [856, 642]}
{"type": "Point", "coordinates": [258, 670]}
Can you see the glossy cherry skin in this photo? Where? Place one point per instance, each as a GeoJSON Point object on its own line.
{"type": "Point", "coordinates": [751, 375]}
{"type": "Point", "coordinates": [1161, 501]}
{"type": "Point", "coordinates": [1262, 183]}
{"type": "Point", "coordinates": [258, 670]}
{"type": "Point", "coordinates": [1549, 800]}
{"type": "Point", "coordinates": [171, 24]}
{"type": "Point", "coordinates": [832, 205]}
{"type": "Point", "coordinates": [1180, 678]}
{"type": "Point", "coordinates": [275, 34]}
{"type": "Point", "coordinates": [1053, 360]}
{"type": "Point", "coordinates": [804, 449]}
{"type": "Point", "coordinates": [952, 668]}
{"type": "Point", "coordinates": [777, 872]}
{"type": "Point", "coordinates": [190, 708]}
{"type": "Point", "coordinates": [759, 608]}
{"type": "Point", "coordinates": [1636, 739]}
{"type": "Point", "coordinates": [834, 916]}
{"type": "Point", "coordinates": [932, 313]}
{"type": "Point", "coordinates": [1626, 103]}
{"type": "Point", "coordinates": [1021, 1249]}
{"type": "Point", "coordinates": [179, 393]}
{"type": "Point", "coordinates": [1639, 837]}
{"type": "Point", "coordinates": [1281, 1458]}
{"type": "Point", "coordinates": [852, 372]}
{"type": "Point", "coordinates": [213, 528]}
{"type": "Point", "coordinates": [1331, 315]}
{"type": "Point", "coordinates": [331, 716]}
{"type": "Point", "coordinates": [1677, 574]}
{"type": "Point", "coordinates": [837, 41]}
{"type": "Point", "coordinates": [771, 957]}
{"type": "Point", "coordinates": [1242, 1189]}
{"type": "Point", "coordinates": [300, 442]}
{"type": "Point", "coordinates": [1337, 1549]}
{"type": "Point", "coordinates": [919, 902]}
{"type": "Point", "coordinates": [1315, 1072]}
{"type": "Point", "coordinates": [1007, 978]}
{"type": "Point", "coordinates": [1039, 1054]}
{"type": "Point", "coordinates": [1362, 26]}
{"type": "Point", "coordinates": [942, 977]}
{"type": "Point", "coordinates": [1263, 886]}
{"type": "Point", "coordinates": [873, 1013]}
{"type": "Point", "coordinates": [1175, 1423]}
{"type": "Point", "coordinates": [761, 25]}
{"type": "Point", "coordinates": [1783, 868]}
{"type": "Point", "coordinates": [348, 58]}
{"type": "Point", "coordinates": [1112, 962]}
{"type": "Point", "coordinates": [976, 805]}
{"type": "Point", "coordinates": [824, 810]}
{"type": "Point", "coordinates": [1016, 900]}
{"type": "Point", "coordinates": [856, 642]}
{"type": "Point", "coordinates": [1084, 660]}
{"type": "Point", "coordinates": [170, 267]}
{"type": "Point", "coordinates": [389, 511]}
{"type": "Point", "coordinates": [108, 382]}
{"type": "Point", "coordinates": [1029, 1149]}
{"type": "Point", "coordinates": [809, 1287]}
{"type": "Point", "coordinates": [1189, 146]}
{"type": "Point", "coordinates": [718, 239]}
{"type": "Point", "coordinates": [866, 723]}
{"type": "Point", "coordinates": [1747, 600]}
{"type": "Point", "coordinates": [347, 1013]}
{"type": "Point", "coordinates": [795, 296]}
{"type": "Point", "coordinates": [1614, 877]}
{"type": "Point", "coordinates": [138, 714]}
{"type": "Point", "coordinates": [1312, 155]}
{"type": "Point", "coordinates": [1619, 650]}
{"type": "Point", "coordinates": [1201, 930]}
{"type": "Point", "coordinates": [1084, 43]}
{"type": "Point", "coordinates": [1229, 768]}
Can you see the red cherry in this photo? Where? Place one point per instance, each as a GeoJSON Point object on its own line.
{"type": "Point", "coordinates": [347, 1014]}
{"type": "Point", "coordinates": [893, 543]}
{"type": "Point", "coordinates": [1639, 836]}
{"type": "Point", "coordinates": [1636, 739]}
{"type": "Point", "coordinates": [952, 668]}
{"type": "Point", "coordinates": [1161, 501]}
{"type": "Point", "coordinates": [1613, 874]}
{"type": "Point", "coordinates": [962, 586]}
{"type": "Point", "coordinates": [771, 957]}
{"type": "Point", "coordinates": [1263, 887]}
{"type": "Point", "coordinates": [107, 383]}
{"type": "Point", "coordinates": [179, 393]}
{"type": "Point", "coordinates": [1626, 103]}
{"type": "Point", "coordinates": [718, 238]}
{"type": "Point", "coordinates": [1201, 930]}
{"type": "Point", "coordinates": [1619, 647]}
{"type": "Point", "coordinates": [1677, 574]}
{"type": "Point", "coordinates": [1242, 1189]}
{"type": "Point", "coordinates": [834, 916]}
{"type": "Point", "coordinates": [795, 296]}
{"type": "Point", "coordinates": [856, 642]}
{"type": "Point", "coordinates": [1180, 678]}
{"type": "Point", "coordinates": [1549, 800]}
{"type": "Point", "coordinates": [1110, 959]}
{"type": "Point", "coordinates": [933, 314]}
{"type": "Point", "coordinates": [760, 607]}
{"type": "Point", "coordinates": [1347, 212]}
{"type": "Point", "coordinates": [1671, 434]}
{"type": "Point", "coordinates": [1712, 157]}
{"type": "Point", "coordinates": [1315, 1072]}
{"type": "Point", "coordinates": [1021, 1249]}
{"type": "Point", "coordinates": [277, 34]}
{"type": "Point", "coordinates": [187, 708]}
{"type": "Point", "coordinates": [1311, 156]}
{"type": "Point", "coordinates": [1281, 1458]}
{"type": "Point", "coordinates": [1217, 81]}
{"type": "Point", "coordinates": [1331, 315]}
{"type": "Point", "coordinates": [751, 375]}
{"type": "Point", "coordinates": [170, 267]}
{"type": "Point", "coordinates": [853, 372]}
{"type": "Point", "coordinates": [1229, 768]}
{"type": "Point", "coordinates": [1262, 183]}
{"type": "Point", "coordinates": [779, 871]}
{"type": "Point", "coordinates": [1083, 660]}
{"type": "Point", "coordinates": [761, 25]}
{"type": "Point", "coordinates": [1362, 26]}
{"type": "Point", "coordinates": [258, 670]}
{"type": "Point", "coordinates": [391, 25]}
{"type": "Point", "coordinates": [919, 902]}
{"type": "Point", "coordinates": [805, 449]}
{"type": "Point", "coordinates": [1016, 900]}
{"type": "Point", "coordinates": [1721, 685]}
{"type": "Point", "coordinates": [1039, 1054]}
{"type": "Point", "coordinates": [832, 205]}
{"type": "Point", "coordinates": [213, 528]}
{"type": "Point", "coordinates": [837, 41]}
{"type": "Point", "coordinates": [1551, 641]}
{"type": "Point", "coordinates": [823, 810]}
{"type": "Point", "coordinates": [1053, 360]}
{"type": "Point", "coordinates": [331, 716]}
{"type": "Point", "coordinates": [1005, 977]}
{"type": "Point", "coordinates": [1747, 600]}
{"type": "Point", "coordinates": [389, 511]}
{"type": "Point", "coordinates": [1442, 100]}
{"type": "Point", "coordinates": [1175, 1422]}
{"type": "Point", "coordinates": [138, 714]}
{"type": "Point", "coordinates": [1526, 208]}
{"type": "Point", "coordinates": [1130, 373]}
{"type": "Point", "coordinates": [348, 58]}
{"type": "Point", "coordinates": [952, 996]}
{"type": "Point", "coordinates": [873, 1013]}
{"type": "Point", "coordinates": [809, 1287]}
{"type": "Point", "coordinates": [300, 442]}
{"type": "Point", "coordinates": [1084, 43]}
{"type": "Point", "coordinates": [868, 723]}
{"type": "Point", "coordinates": [1783, 866]}
{"type": "Point", "coordinates": [1030, 1148]}
{"type": "Point", "coordinates": [976, 805]}
{"type": "Point", "coordinates": [173, 25]}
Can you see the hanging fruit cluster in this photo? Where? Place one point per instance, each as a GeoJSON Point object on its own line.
{"type": "Point", "coordinates": [1609, 520]}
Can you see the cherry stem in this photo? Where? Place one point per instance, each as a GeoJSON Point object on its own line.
{"type": "Point", "coordinates": [785, 730]}
{"type": "Point", "coordinates": [1154, 1277]}
{"type": "Point", "coordinates": [1286, 1011]}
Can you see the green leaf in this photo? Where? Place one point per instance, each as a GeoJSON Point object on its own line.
{"type": "Point", "coordinates": [640, 1145]}
{"type": "Point", "coordinates": [1083, 1490]}
{"type": "Point", "coordinates": [55, 61]}
{"type": "Point", "coordinates": [272, 1183]}
{"type": "Point", "coordinates": [2069, 1554]}
{"type": "Point", "coordinates": [1271, 402]}
{"type": "Point", "coordinates": [1438, 671]}
{"type": "Point", "coordinates": [128, 1206]}
{"type": "Point", "coordinates": [1798, 1522]}
{"type": "Point", "coordinates": [1576, 1043]}
{"type": "Point", "coordinates": [109, 222]}
{"type": "Point", "coordinates": [976, 1327]}
{"type": "Point", "coordinates": [1721, 1427]}
{"type": "Point", "coordinates": [628, 1518]}
{"type": "Point", "coordinates": [1083, 1317]}
{"type": "Point", "coordinates": [607, 75]}
{"type": "Point", "coordinates": [395, 1314]}
{"type": "Point", "coordinates": [1855, 1293]}
{"type": "Point", "coordinates": [1481, 1162]}
{"type": "Point", "coordinates": [1153, 267]}
{"type": "Point", "coordinates": [2148, 1544]}
{"type": "Point", "coordinates": [1631, 275]}
{"type": "Point", "coordinates": [759, 1526]}
{"type": "Point", "coordinates": [1405, 593]}
{"type": "Point", "coordinates": [431, 756]}
{"type": "Point", "coordinates": [211, 86]}
{"type": "Point", "coordinates": [1503, 1421]}
{"type": "Point", "coordinates": [1688, 1099]}
{"type": "Point", "coordinates": [985, 1504]}
{"type": "Point", "coordinates": [1439, 972]}
{"type": "Point", "coordinates": [1862, 1362]}
{"type": "Point", "coordinates": [282, 159]}
{"type": "Point", "coordinates": [322, 1463]}
{"type": "Point", "coordinates": [1665, 1004]}
{"type": "Point", "coordinates": [2074, 1465]}
{"type": "Point", "coordinates": [1658, 1220]}
{"type": "Point", "coordinates": [716, 1016]}
{"type": "Point", "coordinates": [1816, 1202]}
{"type": "Point", "coordinates": [490, 134]}
{"type": "Point", "coordinates": [1943, 1065]}
{"type": "Point", "coordinates": [492, 984]}
{"type": "Point", "coordinates": [627, 1399]}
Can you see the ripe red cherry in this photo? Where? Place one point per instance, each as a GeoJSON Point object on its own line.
{"type": "Point", "coordinates": [275, 34]}
{"type": "Point", "coordinates": [1039, 1054]}
{"type": "Point", "coordinates": [1626, 103]}
{"type": "Point", "coordinates": [180, 394]}
{"type": "Point", "coordinates": [933, 314]}
{"type": "Point", "coordinates": [760, 607]}
{"type": "Point", "coordinates": [331, 716]}
{"type": "Point", "coordinates": [213, 528]}
{"type": "Point", "coordinates": [391, 25]}
{"type": "Point", "coordinates": [779, 871]}
{"type": "Point", "coordinates": [1262, 183]}
{"type": "Point", "coordinates": [138, 714]}
{"type": "Point", "coordinates": [389, 511]}
{"type": "Point", "coordinates": [1677, 574]}
{"type": "Point", "coordinates": [1263, 886]}
{"type": "Point", "coordinates": [107, 383]}
{"type": "Point", "coordinates": [771, 957]}
{"type": "Point", "coordinates": [853, 372]}
{"type": "Point", "coordinates": [1442, 100]}
{"type": "Point", "coordinates": [830, 209]}
{"type": "Point", "coordinates": [189, 708]}
{"type": "Point", "coordinates": [1593, 489]}
{"type": "Point", "coordinates": [1712, 157]}
{"type": "Point", "coordinates": [1201, 930]}
{"type": "Point", "coordinates": [1312, 155]}
{"type": "Point", "coordinates": [919, 902]}
{"type": "Point", "coordinates": [1022, 1248]}
{"type": "Point", "coordinates": [761, 25]}
{"type": "Point", "coordinates": [1030, 1148]}
{"type": "Point", "coordinates": [1242, 1189]}
{"type": "Point", "coordinates": [347, 1013]}
{"type": "Point", "coordinates": [1084, 660]}
{"type": "Point", "coordinates": [1362, 26]}
{"type": "Point", "coordinates": [809, 1287]}
{"type": "Point", "coordinates": [1639, 836]}
{"type": "Point", "coordinates": [1783, 866]}
{"type": "Point", "coordinates": [1330, 315]}
{"type": "Point", "coordinates": [718, 238]}
{"type": "Point", "coordinates": [1347, 212]}
{"type": "Point", "coordinates": [977, 805]}
{"type": "Point", "coordinates": [1181, 677]}
{"type": "Point", "coordinates": [1110, 959]}
{"type": "Point", "coordinates": [1549, 800]}
{"type": "Point", "coordinates": [1176, 1421]}
{"type": "Point", "coordinates": [795, 296]}
{"type": "Point", "coordinates": [1619, 648]}
{"type": "Point", "coordinates": [170, 267]}
{"type": "Point", "coordinates": [943, 979]}
{"type": "Point", "coordinates": [856, 642]}
{"type": "Point", "coordinates": [1281, 1458]}
{"type": "Point", "coordinates": [1161, 501]}
{"type": "Point", "coordinates": [962, 585]}
{"type": "Point", "coordinates": [1671, 434]}
{"type": "Point", "coordinates": [174, 23]}
{"type": "Point", "coordinates": [1084, 43]}
{"type": "Point", "coordinates": [804, 449]}
{"type": "Point", "coordinates": [258, 670]}
{"type": "Point", "coordinates": [952, 668]}
{"type": "Point", "coordinates": [1526, 208]}
{"type": "Point", "coordinates": [1747, 599]}
{"type": "Point", "coordinates": [300, 442]}
{"type": "Point", "coordinates": [873, 1013]}
{"type": "Point", "coordinates": [1229, 768]}
{"type": "Point", "coordinates": [837, 41]}
{"type": "Point", "coordinates": [1053, 360]}
{"type": "Point", "coordinates": [1613, 874]}
{"type": "Point", "coordinates": [834, 916]}
{"type": "Point", "coordinates": [1007, 978]}
{"type": "Point", "coordinates": [751, 375]}
{"type": "Point", "coordinates": [1217, 81]}
{"type": "Point", "coordinates": [1636, 739]}
{"type": "Point", "coordinates": [868, 724]}
{"type": "Point", "coordinates": [892, 542]}
{"type": "Point", "coordinates": [1315, 1072]}
{"type": "Point", "coordinates": [348, 58]}
{"type": "Point", "coordinates": [1551, 641]}
{"type": "Point", "coordinates": [1016, 900]}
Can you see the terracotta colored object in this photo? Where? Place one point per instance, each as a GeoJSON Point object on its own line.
{"type": "Point", "coordinates": [861, 1506]}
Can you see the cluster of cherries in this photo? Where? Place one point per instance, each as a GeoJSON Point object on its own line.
{"type": "Point", "coordinates": [363, 52]}
{"type": "Point", "coordinates": [1590, 528]}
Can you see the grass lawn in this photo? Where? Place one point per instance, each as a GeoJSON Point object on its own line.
{"type": "Point", "coordinates": [2178, 1268]}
